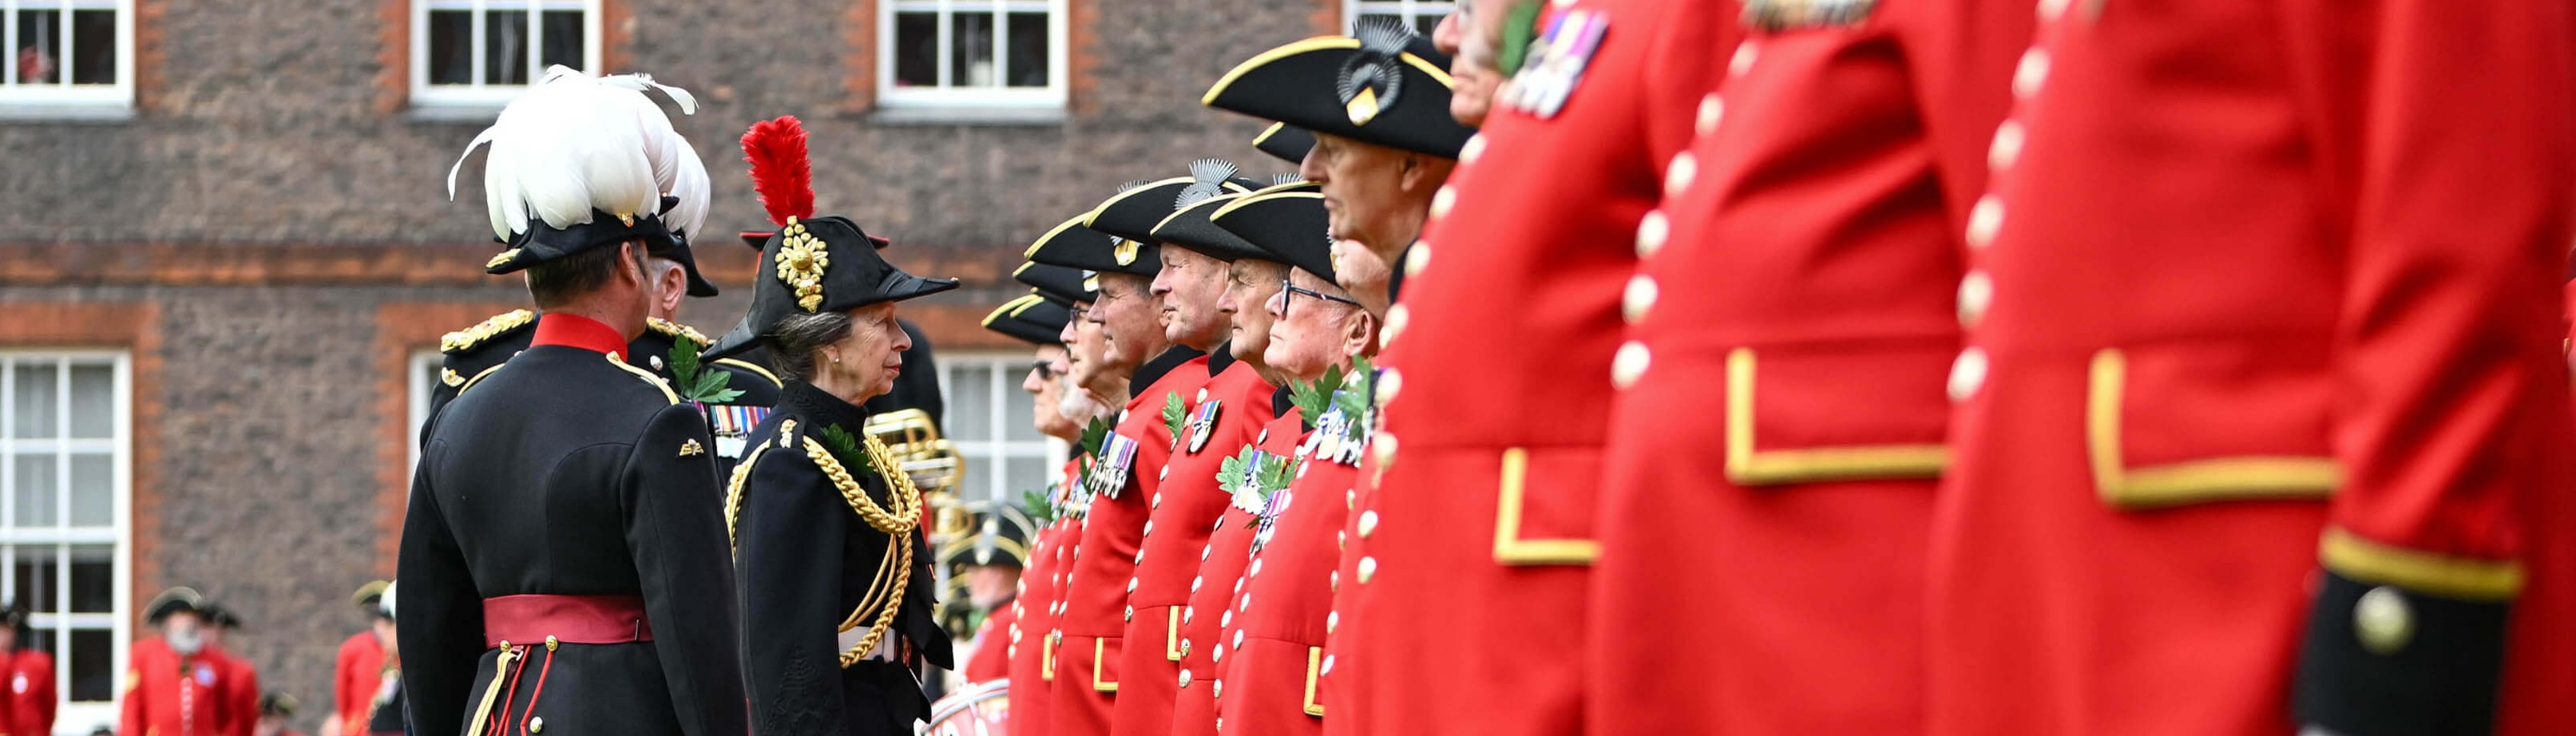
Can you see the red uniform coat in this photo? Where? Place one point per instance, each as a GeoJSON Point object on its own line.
{"type": "Point", "coordinates": [240, 683]}
{"type": "Point", "coordinates": [2267, 406]}
{"type": "Point", "coordinates": [355, 679]}
{"type": "Point", "coordinates": [992, 658]}
{"type": "Point", "coordinates": [1184, 511]}
{"type": "Point", "coordinates": [1275, 653]}
{"type": "Point", "coordinates": [1037, 605]}
{"type": "Point", "coordinates": [1487, 503]}
{"type": "Point", "coordinates": [1113, 531]}
{"type": "Point", "coordinates": [170, 695]}
{"type": "Point", "coordinates": [1803, 307]}
{"type": "Point", "coordinates": [1220, 574]}
{"type": "Point", "coordinates": [31, 702]}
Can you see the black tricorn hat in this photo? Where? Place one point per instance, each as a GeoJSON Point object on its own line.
{"type": "Point", "coordinates": [172, 601]}
{"type": "Point", "coordinates": [1001, 537]}
{"type": "Point", "coordinates": [1131, 214]}
{"type": "Point", "coordinates": [1292, 225]}
{"type": "Point", "coordinates": [1285, 142]}
{"type": "Point", "coordinates": [678, 251]}
{"type": "Point", "coordinates": [1191, 228]}
{"type": "Point", "coordinates": [277, 703]}
{"type": "Point", "coordinates": [1073, 245]}
{"type": "Point", "coordinates": [1033, 319]}
{"type": "Point", "coordinates": [825, 264]}
{"type": "Point", "coordinates": [222, 616]}
{"type": "Point", "coordinates": [1385, 85]}
{"type": "Point", "coordinates": [1058, 283]}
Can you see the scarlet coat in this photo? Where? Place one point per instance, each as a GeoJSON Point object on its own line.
{"type": "Point", "coordinates": [992, 658]}
{"type": "Point", "coordinates": [167, 694]}
{"type": "Point", "coordinates": [1228, 552]}
{"type": "Point", "coordinates": [1038, 603]}
{"type": "Point", "coordinates": [356, 673]}
{"type": "Point", "coordinates": [1220, 417]}
{"type": "Point", "coordinates": [1274, 656]}
{"type": "Point", "coordinates": [1113, 531]}
{"type": "Point", "coordinates": [30, 678]}
{"type": "Point", "coordinates": [2267, 408]}
{"type": "Point", "coordinates": [1490, 457]}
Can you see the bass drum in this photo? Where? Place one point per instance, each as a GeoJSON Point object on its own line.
{"type": "Point", "coordinates": [983, 709]}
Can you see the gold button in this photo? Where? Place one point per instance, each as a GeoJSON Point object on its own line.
{"type": "Point", "coordinates": [1255, 569]}
{"type": "Point", "coordinates": [1976, 293]}
{"type": "Point", "coordinates": [1415, 261]}
{"type": "Point", "coordinates": [1185, 679]}
{"type": "Point", "coordinates": [1368, 569]}
{"type": "Point", "coordinates": [1131, 584]}
{"type": "Point", "coordinates": [1226, 620]}
{"type": "Point", "coordinates": [1131, 613]}
{"type": "Point", "coordinates": [1629, 364]}
{"type": "Point", "coordinates": [1679, 174]}
{"type": "Point", "coordinates": [1968, 374]}
{"type": "Point", "coordinates": [2030, 73]}
{"type": "Point", "coordinates": [2007, 146]}
{"type": "Point", "coordinates": [1216, 655]}
{"type": "Point", "coordinates": [1202, 399]}
{"type": "Point", "coordinates": [1149, 523]}
{"type": "Point", "coordinates": [536, 724]}
{"type": "Point", "coordinates": [1389, 382]}
{"type": "Point", "coordinates": [1164, 474]}
{"type": "Point", "coordinates": [1442, 200]}
{"type": "Point", "coordinates": [1385, 446]}
{"type": "Point", "coordinates": [1331, 621]}
{"type": "Point", "coordinates": [2383, 621]}
{"type": "Point", "coordinates": [1156, 502]}
{"type": "Point", "coordinates": [1341, 540]}
{"type": "Point", "coordinates": [1238, 639]}
{"type": "Point", "coordinates": [1328, 660]}
{"type": "Point", "coordinates": [1216, 689]}
{"type": "Point", "coordinates": [1396, 317]}
{"type": "Point", "coordinates": [1368, 523]}
{"type": "Point", "coordinates": [1187, 611]}
{"type": "Point", "coordinates": [1984, 220]}
{"type": "Point", "coordinates": [1244, 603]}
{"type": "Point", "coordinates": [1196, 581]}
{"type": "Point", "coordinates": [1475, 147]}
{"type": "Point", "coordinates": [1651, 232]}
{"type": "Point", "coordinates": [2051, 10]}
{"type": "Point", "coordinates": [1742, 62]}
{"type": "Point", "coordinates": [1639, 298]}
{"type": "Point", "coordinates": [1711, 109]}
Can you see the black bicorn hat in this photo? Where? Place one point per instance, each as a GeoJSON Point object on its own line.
{"type": "Point", "coordinates": [1076, 246]}
{"type": "Point", "coordinates": [1285, 142]}
{"type": "Point", "coordinates": [369, 595]}
{"type": "Point", "coordinates": [1384, 84]}
{"type": "Point", "coordinates": [634, 178]}
{"type": "Point", "coordinates": [174, 600]}
{"type": "Point", "coordinates": [1290, 224]}
{"type": "Point", "coordinates": [1032, 318]}
{"type": "Point", "coordinates": [1058, 283]}
{"type": "Point", "coordinates": [813, 264]}
{"type": "Point", "coordinates": [1133, 212]}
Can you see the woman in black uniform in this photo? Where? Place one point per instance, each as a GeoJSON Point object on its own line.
{"type": "Point", "coordinates": [834, 574]}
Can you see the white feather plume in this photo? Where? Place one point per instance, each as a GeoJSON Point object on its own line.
{"type": "Point", "coordinates": [574, 143]}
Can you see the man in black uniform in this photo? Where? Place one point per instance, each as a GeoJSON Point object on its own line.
{"type": "Point", "coordinates": [558, 531]}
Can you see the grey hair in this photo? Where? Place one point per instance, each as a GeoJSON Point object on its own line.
{"type": "Point", "coordinates": [796, 341]}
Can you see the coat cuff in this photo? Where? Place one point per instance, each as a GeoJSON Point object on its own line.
{"type": "Point", "coordinates": [2380, 660]}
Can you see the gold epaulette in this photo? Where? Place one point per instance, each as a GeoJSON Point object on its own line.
{"type": "Point", "coordinates": [466, 339]}
{"type": "Point", "coordinates": [677, 331]}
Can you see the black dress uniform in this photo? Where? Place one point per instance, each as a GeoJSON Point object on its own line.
{"type": "Point", "coordinates": [562, 572]}
{"type": "Point", "coordinates": [837, 590]}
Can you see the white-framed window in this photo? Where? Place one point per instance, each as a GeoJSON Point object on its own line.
{"type": "Point", "coordinates": [67, 53]}
{"type": "Point", "coordinates": [422, 378]}
{"type": "Point", "coordinates": [1423, 15]}
{"type": "Point", "coordinates": [485, 52]}
{"type": "Point", "coordinates": [66, 532]}
{"type": "Point", "coordinates": [971, 53]}
{"type": "Point", "coordinates": [989, 420]}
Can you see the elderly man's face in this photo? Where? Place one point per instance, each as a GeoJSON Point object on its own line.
{"type": "Point", "coordinates": [1309, 333]}
{"type": "Point", "coordinates": [1187, 290]}
{"type": "Point", "coordinates": [1249, 285]}
{"type": "Point", "coordinates": [1472, 36]}
{"type": "Point", "coordinates": [1362, 183]}
{"type": "Point", "coordinates": [1131, 321]}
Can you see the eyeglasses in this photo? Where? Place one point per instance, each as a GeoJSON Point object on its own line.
{"type": "Point", "coordinates": [1044, 369]}
{"type": "Point", "coordinates": [1289, 291]}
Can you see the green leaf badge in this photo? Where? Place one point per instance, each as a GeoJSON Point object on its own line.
{"type": "Point", "coordinates": [1174, 414]}
{"type": "Point", "coordinates": [694, 384]}
{"type": "Point", "coordinates": [845, 448]}
{"type": "Point", "coordinates": [1041, 512]}
{"type": "Point", "coordinates": [1094, 435]}
{"type": "Point", "coordinates": [1314, 397]}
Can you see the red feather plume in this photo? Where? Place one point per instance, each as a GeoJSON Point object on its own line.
{"type": "Point", "coordinates": [780, 171]}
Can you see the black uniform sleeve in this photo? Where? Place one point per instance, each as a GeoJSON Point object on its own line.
{"type": "Point", "coordinates": [440, 618]}
{"type": "Point", "coordinates": [793, 525]}
{"type": "Point", "coordinates": [678, 541]}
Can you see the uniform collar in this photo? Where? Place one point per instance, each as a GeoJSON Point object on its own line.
{"type": "Point", "coordinates": [572, 330]}
{"type": "Point", "coordinates": [821, 408]}
{"type": "Point", "coordinates": [1282, 400]}
{"type": "Point", "coordinates": [1221, 358]}
{"type": "Point", "coordinates": [1152, 371]}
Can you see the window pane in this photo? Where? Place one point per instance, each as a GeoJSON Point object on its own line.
{"type": "Point", "coordinates": [1023, 474]}
{"type": "Point", "coordinates": [94, 41]}
{"type": "Point", "coordinates": [451, 47]}
{"type": "Point", "coordinates": [970, 403]}
{"type": "Point", "coordinates": [970, 41]}
{"type": "Point", "coordinates": [93, 490]}
{"type": "Point", "coordinates": [1019, 410]}
{"type": "Point", "coordinates": [93, 659]}
{"type": "Point", "coordinates": [34, 397]}
{"type": "Point", "coordinates": [35, 578]}
{"type": "Point", "coordinates": [93, 401]}
{"type": "Point", "coordinates": [563, 39]}
{"type": "Point", "coordinates": [1426, 21]}
{"type": "Point", "coordinates": [916, 49]}
{"type": "Point", "coordinates": [38, 48]}
{"type": "Point", "coordinates": [1028, 50]}
{"type": "Point", "coordinates": [505, 47]}
{"type": "Point", "coordinates": [31, 492]}
{"type": "Point", "coordinates": [94, 579]}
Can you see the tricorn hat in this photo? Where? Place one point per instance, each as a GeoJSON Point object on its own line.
{"type": "Point", "coordinates": [1033, 319]}
{"type": "Point", "coordinates": [1058, 283]}
{"type": "Point", "coordinates": [172, 601]}
{"type": "Point", "coordinates": [1291, 225]}
{"type": "Point", "coordinates": [1075, 246]}
{"type": "Point", "coordinates": [1285, 142]}
{"type": "Point", "coordinates": [1384, 84]}
{"type": "Point", "coordinates": [1133, 212]}
{"type": "Point", "coordinates": [814, 264]}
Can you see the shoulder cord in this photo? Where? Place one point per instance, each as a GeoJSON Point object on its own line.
{"type": "Point", "coordinates": [898, 523]}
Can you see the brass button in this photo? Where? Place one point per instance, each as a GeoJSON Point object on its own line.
{"type": "Point", "coordinates": [1385, 444]}
{"type": "Point", "coordinates": [1474, 147]}
{"type": "Point", "coordinates": [1195, 582]}
{"type": "Point", "coordinates": [1442, 200]}
{"type": "Point", "coordinates": [1131, 613]}
{"type": "Point", "coordinates": [1742, 62]}
{"type": "Point", "coordinates": [1416, 260]}
{"type": "Point", "coordinates": [1629, 364]}
{"type": "Point", "coordinates": [1368, 523]}
{"type": "Point", "coordinates": [1202, 399]}
{"type": "Point", "coordinates": [1238, 639]}
{"type": "Point", "coordinates": [1638, 299]}
{"type": "Point", "coordinates": [1185, 679]}
{"type": "Point", "coordinates": [1328, 665]}
{"type": "Point", "coordinates": [1389, 382]}
{"type": "Point", "coordinates": [1187, 611]}
{"type": "Point", "coordinates": [1396, 317]}
{"type": "Point", "coordinates": [2383, 621]}
{"type": "Point", "coordinates": [1368, 569]}
{"type": "Point", "coordinates": [1679, 175]}
{"type": "Point", "coordinates": [2030, 73]}
{"type": "Point", "coordinates": [1968, 374]}
{"type": "Point", "coordinates": [1332, 621]}
{"type": "Point", "coordinates": [1985, 220]}
{"type": "Point", "coordinates": [1711, 109]}
{"type": "Point", "coordinates": [1226, 620]}
{"type": "Point", "coordinates": [1255, 569]}
{"type": "Point", "coordinates": [1131, 583]}
{"type": "Point", "coordinates": [1651, 232]}
{"type": "Point", "coordinates": [2007, 146]}
{"type": "Point", "coordinates": [2050, 10]}
{"type": "Point", "coordinates": [536, 724]}
{"type": "Point", "coordinates": [1976, 293]}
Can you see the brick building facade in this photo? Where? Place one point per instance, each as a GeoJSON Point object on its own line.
{"type": "Point", "coordinates": [226, 248]}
